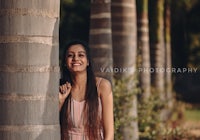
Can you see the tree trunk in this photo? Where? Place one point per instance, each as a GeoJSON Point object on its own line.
{"type": "Point", "coordinates": [29, 70]}
{"type": "Point", "coordinates": [101, 37]}
{"type": "Point", "coordinates": [143, 46]}
{"type": "Point", "coordinates": [168, 55]}
{"type": "Point", "coordinates": [157, 45]}
{"type": "Point", "coordinates": [124, 53]}
{"type": "Point", "coordinates": [157, 50]}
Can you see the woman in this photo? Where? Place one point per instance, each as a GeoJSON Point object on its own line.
{"type": "Point", "coordinates": [85, 101]}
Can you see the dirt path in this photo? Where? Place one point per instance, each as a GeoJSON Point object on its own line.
{"type": "Point", "coordinates": [193, 129]}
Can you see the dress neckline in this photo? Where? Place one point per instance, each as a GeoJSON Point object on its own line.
{"type": "Point", "coordinates": [82, 101]}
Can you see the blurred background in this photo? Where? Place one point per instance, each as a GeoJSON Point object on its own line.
{"type": "Point", "coordinates": [150, 34]}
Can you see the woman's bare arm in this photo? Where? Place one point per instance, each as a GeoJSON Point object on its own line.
{"type": "Point", "coordinates": [107, 108]}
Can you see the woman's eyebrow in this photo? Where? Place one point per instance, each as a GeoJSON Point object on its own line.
{"type": "Point", "coordinates": [81, 52]}
{"type": "Point", "coordinates": [75, 52]}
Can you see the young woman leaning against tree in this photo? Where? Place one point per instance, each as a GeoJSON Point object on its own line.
{"type": "Point", "coordinates": [85, 101]}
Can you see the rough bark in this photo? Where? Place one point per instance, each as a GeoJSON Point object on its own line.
{"type": "Point", "coordinates": [29, 70]}
{"type": "Point", "coordinates": [168, 55]}
{"type": "Point", "coordinates": [143, 46]}
{"type": "Point", "coordinates": [157, 45]}
{"type": "Point", "coordinates": [101, 37]}
{"type": "Point", "coordinates": [124, 53]}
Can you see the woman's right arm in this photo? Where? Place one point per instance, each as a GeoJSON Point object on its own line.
{"type": "Point", "coordinates": [64, 91]}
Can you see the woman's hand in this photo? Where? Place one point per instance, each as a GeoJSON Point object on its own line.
{"type": "Point", "coordinates": [64, 91]}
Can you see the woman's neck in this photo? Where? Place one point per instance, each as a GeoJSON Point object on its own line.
{"type": "Point", "coordinates": [79, 80]}
{"type": "Point", "coordinates": [79, 86]}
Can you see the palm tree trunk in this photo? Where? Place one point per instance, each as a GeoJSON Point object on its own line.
{"type": "Point", "coordinates": [157, 51]}
{"type": "Point", "coordinates": [101, 38]}
{"type": "Point", "coordinates": [168, 65]}
{"type": "Point", "coordinates": [29, 70]}
{"type": "Point", "coordinates": [124, 53]}
{"type": "Point", "coordinates": [143, 46]}
{"type": "Point", "coordinates": [157, 45]}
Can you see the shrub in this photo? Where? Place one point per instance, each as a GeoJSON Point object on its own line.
{"type": "Point", "coordinates": [123, 97]}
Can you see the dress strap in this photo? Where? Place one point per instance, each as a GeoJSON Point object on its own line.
{"type": "Point", "coordinates": [98, 83]}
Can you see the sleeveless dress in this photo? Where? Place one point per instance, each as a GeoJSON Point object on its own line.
{"type": "Point", "coordinates": [76, 131]}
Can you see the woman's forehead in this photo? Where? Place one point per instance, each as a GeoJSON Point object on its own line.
{"type": "Point", "coordinates": [76, 47]}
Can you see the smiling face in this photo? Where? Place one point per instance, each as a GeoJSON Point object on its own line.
{"type": "Point", "coordinates": [76, 58]}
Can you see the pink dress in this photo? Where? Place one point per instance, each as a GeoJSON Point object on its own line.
{"type": "Point", "coordinates": [76, 132]}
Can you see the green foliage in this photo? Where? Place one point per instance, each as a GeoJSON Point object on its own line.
{"type": "Point", "coordinates": [149, 117]}
{"type": "Point", "coordinates": [69, 2]}
{"type": "Point", "coordinates": [150, 125]}
{"type": "Point", "coordinates": [194, 50]}
{"type": "Point", "coordinates": [184, 4]}
{"type": "Point", "coordinates": [176, 133]}
{"type": "Point", "coordinates": [149, 114]}
{"type": "Point", "coordinates": [180, 30]}
{"type": "Point", "coordinates": [152, 128]}
{"type": "Point", "coordinates": [189, 3]}
{"type": "Point", "coordinates": [74, 20]}
{"type": "Point", "coordinates": [123, 97]}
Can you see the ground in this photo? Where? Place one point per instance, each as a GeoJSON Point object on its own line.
{"type": "Point", "coordinates": [193, 129]}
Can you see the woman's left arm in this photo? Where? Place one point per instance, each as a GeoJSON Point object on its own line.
{"type": "Point", "coordinates": [107, 109]}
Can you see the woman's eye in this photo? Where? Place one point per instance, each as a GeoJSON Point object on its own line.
{"type": "Point", "coordinates": [81, 55]}
{"type": "Point", "coordinates": [70, 55]}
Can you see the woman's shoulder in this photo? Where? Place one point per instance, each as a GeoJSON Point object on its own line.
{"type": "Point", "coordinates": [103, 85]}
{"type": "Point", "coordinates": [100, 81]}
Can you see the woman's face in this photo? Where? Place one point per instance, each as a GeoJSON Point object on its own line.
{"type": "Point", "coordinates": [76, 58]}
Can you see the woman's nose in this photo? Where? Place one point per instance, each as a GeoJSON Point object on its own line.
{"type": "Point", "coordinates": [75, 57]}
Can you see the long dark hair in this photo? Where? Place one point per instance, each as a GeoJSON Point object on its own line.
{"type": "Point", "coordinates": [91, 108]}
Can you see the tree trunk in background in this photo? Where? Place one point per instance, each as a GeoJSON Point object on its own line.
{"type": "Point", "coordinates": [143, 46]}
{"type": "Point", "coordinates": [157, 45]}
{"type": "Point", "coordinates": [124, 53]}
{"type": "Point", "coordinates": [157, 50]}
{"type": "Point", "coordinates": [29, 70]}
{"type": "Point", "coordinates": [101, 37]}
{"type": "Point", "coordinates": [168, 55]}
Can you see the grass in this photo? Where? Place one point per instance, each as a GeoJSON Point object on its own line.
{"type": "Point", "coordinates": [192, 114]}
